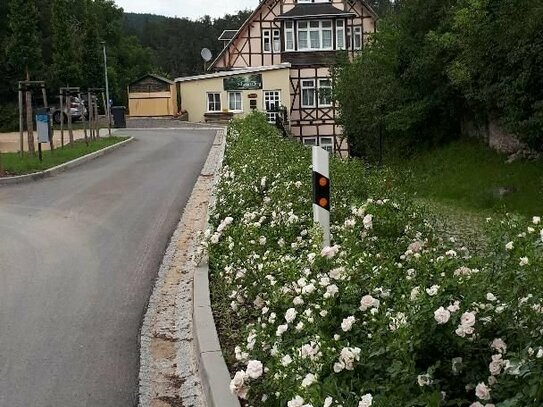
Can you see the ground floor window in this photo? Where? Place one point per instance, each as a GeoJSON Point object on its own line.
{"type": "Point", "coordinates": [213, 102]}
{"type": "Point", "coordinates": [310, 141]}
{"type": "Point", "coordinates": [234, 102]}
{"type": "Point", "coordinates": [272, 101]}
{"type": "Point", "coordinates": [327, 143]}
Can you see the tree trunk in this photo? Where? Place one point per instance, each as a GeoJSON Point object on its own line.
{"type": "Point", "coordinates": [30, 123]}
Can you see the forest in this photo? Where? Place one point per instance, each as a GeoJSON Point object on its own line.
{"type": "Point", "coordinates": [60, 42]}
{"type": "Point", "coordinates": [435, 66]}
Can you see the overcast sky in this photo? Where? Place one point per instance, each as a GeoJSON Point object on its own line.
{"type": "Point", "coordinates": [187, 8]}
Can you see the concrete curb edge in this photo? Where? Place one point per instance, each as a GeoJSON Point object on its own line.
{"type": "Point", "coordinates": [20, 179]}
{"type": "Point", "coordinates": [214, 373]}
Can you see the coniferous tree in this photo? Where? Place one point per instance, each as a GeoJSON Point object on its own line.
{"type": "Point", "coordinates": [91, 52]}
{"type": "Point", "coordinates": [23, 47]}
{"type": "Point", "coordinates": [67, 35]}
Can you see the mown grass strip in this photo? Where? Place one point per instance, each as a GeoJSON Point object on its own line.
{"type": "Point", "coordinates": [12, 163]}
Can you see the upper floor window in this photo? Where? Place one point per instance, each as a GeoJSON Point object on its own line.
{"type": "Point", "coordinates": [289, 36]}
{"type": "Point", "coordinates": [354, 40]}
{"type": "Point", "coordinates": [271, 39]}
{"type": "Point", "coordinates": [315, 35]}
{"type": "Point", "coordinates": [308, 93]}
{"type": "Point", "coordinates": [340, 34]}
{"type": "Point", "coordinates": [313, 1]}
{"type": "Point", "coordinates": [325, 92]}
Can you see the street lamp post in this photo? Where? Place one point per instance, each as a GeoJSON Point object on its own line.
{"type": "Point", "coordinates": [108, 107]}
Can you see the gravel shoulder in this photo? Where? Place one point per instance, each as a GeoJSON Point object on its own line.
{"type": "Point", "coordinates": [168, 359]}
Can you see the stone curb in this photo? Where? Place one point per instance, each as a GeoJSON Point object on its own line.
{"type": "Point", "coordinates": [213, 371]}
{"type": "Point", "coordinates": [20, 179]}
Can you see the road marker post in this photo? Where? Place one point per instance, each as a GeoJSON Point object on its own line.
{"type": "Point", "coordinates": [321, 191]}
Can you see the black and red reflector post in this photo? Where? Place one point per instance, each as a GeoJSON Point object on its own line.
{"type": "Point", "coordinates": [321, 192]}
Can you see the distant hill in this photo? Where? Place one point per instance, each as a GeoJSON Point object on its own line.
{"type": "Point", "coordinates": [176, 42]}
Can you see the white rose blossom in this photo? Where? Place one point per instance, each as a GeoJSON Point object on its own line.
{"type": "Point", "coordinates": [499, 345]}
{"type": "Point", "coordinates": [254, 369]}
{"type": "Point", "coordinates": [432, 290]}
{"type": "Point", "coordinates": [347, 323]}
{"type": "Point", "coordinates": [330, 251]}
{"type": "Point", "coordinates": [296, 402]}
{"type": "Point", "coordinates": [366, 400]}
{"type": "Point", "coordinates": [308, 380]}
{"type": "Point", "coordinates": [286, 360]}
{"type": "Point", "coordinates": [368, 222]}
{"type": "Point", "coordinates": [442, 316]}
{"type": "Point", "coordinates": [290, 315]}
{"type": "Point", "coordinates": [368, 302]}
{"type": "Point", "coordinates": [482, 391]}
{"type": "Point", "coordinates": [238, 387]}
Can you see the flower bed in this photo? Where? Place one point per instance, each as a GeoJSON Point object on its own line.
{"type": "Point", "coordinates": [390, 315]}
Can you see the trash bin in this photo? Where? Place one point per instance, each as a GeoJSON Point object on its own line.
{"type": "Point", "coordinates": [119, 116]}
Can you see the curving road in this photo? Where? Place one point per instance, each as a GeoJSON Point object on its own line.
{"type": "Point", "coordinates": [79, 253]}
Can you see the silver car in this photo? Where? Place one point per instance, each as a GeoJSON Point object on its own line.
{"type": "Point", "coordinates": [77, 109]}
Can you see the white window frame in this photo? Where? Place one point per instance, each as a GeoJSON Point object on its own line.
{"type": "Point", "coordinates": [271, 40]}
{"type": "Point", "coordinates": [208, 102]}
{"type": "Point", "coordinates": [235, 102]}
{"type": "Point", "coordinates": [311, 88]}
{"type": "Point", "coordinates": [289, 34]}
{"type": "Point", "coordinates": [309, 141]}
{"type": "Point", "coordinates": [319, 30]}
{"type": "Point", "coordinates": [357, 34]}
{"type": "Point", "coordinates": [328, 146]}
{"type": "Point", "coordinates": [266, 41]}
{"type": "Point", "coordinates": [340, 33]}
{"type": "Point", "coordinates": [329, 86]}
{"type": "Point", "coordinates": [276, 40]}
{"type": "Point", "coordinates": [267, 96]}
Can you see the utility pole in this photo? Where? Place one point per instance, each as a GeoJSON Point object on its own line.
{"type": "Point", "coordinates": [107, 107]}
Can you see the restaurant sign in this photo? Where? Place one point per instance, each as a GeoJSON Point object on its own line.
{"type": "Point", "coordinates": [243, 82]}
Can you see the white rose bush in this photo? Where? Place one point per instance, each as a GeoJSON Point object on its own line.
{"type": "Point", "coordinates": [391, 314]}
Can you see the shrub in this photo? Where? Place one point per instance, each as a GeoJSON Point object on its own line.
{"type": "Point", "coordinates": [390, 315]}
{"type": "Point", "coordinates": [9, 118]}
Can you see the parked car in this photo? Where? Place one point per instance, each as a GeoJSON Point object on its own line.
{"type": "Point", "coordinates": [77, 109]}
{"type": "Point", "coordinates": [85, 98]}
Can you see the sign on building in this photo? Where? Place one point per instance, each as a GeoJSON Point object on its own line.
{"type": "Point", "coordinates": [243, 82]}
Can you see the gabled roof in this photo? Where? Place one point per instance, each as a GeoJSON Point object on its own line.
{"type": "Point", "coordinates": [312, 10]}
{"type": "Point", "coordinates": [227, 35]}
{"type": "Point", "coordinates": [233, 72]}
{"type": "Point", "coordinates": [254, 13]}
{"type": "Point", "coordinates": [152, 75]}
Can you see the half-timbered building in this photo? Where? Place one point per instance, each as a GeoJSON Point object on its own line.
{"type": "Point", "coordinates": [306, 36]}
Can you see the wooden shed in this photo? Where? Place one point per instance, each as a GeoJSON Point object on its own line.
{"type": "Point", "coordinates": [152, 96]}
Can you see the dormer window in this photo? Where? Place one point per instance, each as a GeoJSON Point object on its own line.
{"type": "Point", "coordinates": [315, 35]}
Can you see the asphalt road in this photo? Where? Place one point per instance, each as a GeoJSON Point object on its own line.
{"type": "Point", "coordinates": [79, 253]}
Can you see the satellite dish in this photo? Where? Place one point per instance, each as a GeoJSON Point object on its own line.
{"type": "Point", "coordinates": [206, 54]}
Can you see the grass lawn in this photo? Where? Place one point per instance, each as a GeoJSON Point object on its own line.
{"type": "Point", "coordinates": [13, 164]}
{"type": "Point", "coordinates": [468, 175]}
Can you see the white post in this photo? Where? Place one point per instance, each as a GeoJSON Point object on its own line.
{"type": "Point", "coordinates": [321, 191]}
